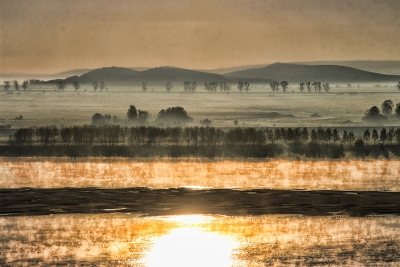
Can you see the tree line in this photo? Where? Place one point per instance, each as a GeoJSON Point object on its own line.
{"type": "Point", "coordinates": [204, 141]}
{"type": "Point", "coordinates": [188, 86]}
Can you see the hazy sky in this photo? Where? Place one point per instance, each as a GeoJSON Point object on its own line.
{"type": "Point", "coordinates": [48, 36]}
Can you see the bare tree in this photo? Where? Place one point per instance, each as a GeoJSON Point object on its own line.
{"type": "Point", "coordinates": [207, 87]}
{"type": "Point", "coordinates": [227, 88]}
{"type": "Point", "coordinates": [284, 85]}
{"type": "Point", "coordinates": [240, 86]}
{"type": "Point", "coordinates": [61, 85]}
{"type": "Point", "coordinates": [193, 86]}
{"type": "Point", "coordinates": [95, 85]}
{"type": "Point", "coordinates": [308, 84]}
{"type": "Point", "coordinates": [189, 86]}
{"type": "Point", "coordinates": [76, 86]}
{"type": "Point", "coordinates": [326, 87]}
{"type": "Point", "coordinates": [247, 86]}
{"type": "Point", "coordinates": [102, 86]}
{"type": "Point", "coordinates": [221, 86]}
{"type": "Point", "coordinates": [25, 85]}
{"type": "Point", "coordinates": [317, 86]}
{"type": "Point", "coordinates": [168, 86]}
{"type": "Point", "coordinates": [274, 86]}
{"type": "Point", "coordinates": [6, 85]}
{"type": "Point", "coordinates": [144, 86]}
{"type": "Point", "coordinates": [186, 86]}
{"type": "Point", "coordinates": [16, 85]}
{"type": "Point", "coordinates": [301, 87]}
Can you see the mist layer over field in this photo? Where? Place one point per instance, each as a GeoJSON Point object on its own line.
{"type": "Point", "coordinates": [276, 174]}
{"type": "Point", "coordinates": [260, 107]}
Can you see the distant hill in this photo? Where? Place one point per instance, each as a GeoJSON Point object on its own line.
{"type": "Point", "coordinates": [172, 74]}
{"type": "Point", "coordinates": [76, 72]}
{"type": "Point", "coordinates": [323, 73]}
{"type": "Point", "coordinates": [391, 67]}
{"type": "Point", "coordinates": [107, 74]}
{"type": "Point", "coordinates": [155, 75]}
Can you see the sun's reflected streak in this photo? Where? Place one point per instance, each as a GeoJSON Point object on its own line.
{"type": "Point", "coordinates": [191, 245]}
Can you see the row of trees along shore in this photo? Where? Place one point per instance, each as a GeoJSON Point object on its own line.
{"type": "Point", "coordinates": [210, 142]}
{"type": "Point", "coordinates": [190, 86]}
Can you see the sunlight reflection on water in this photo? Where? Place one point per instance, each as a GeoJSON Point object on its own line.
{"type": "Point", "coordinates": [197, 240]}
{"type": "Point", "coordinates": [190, 246]}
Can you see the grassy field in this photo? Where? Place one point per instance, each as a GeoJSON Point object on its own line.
{"type": "Point", "coordinates": [343, 106]}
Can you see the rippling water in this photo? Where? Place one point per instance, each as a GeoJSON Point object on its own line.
{"type": "Point", "coordinates": [120, 212]}
{"type": "Point", "coordinates": [198, 240]}
{"type": "Point", "coordinates": [277, 174]}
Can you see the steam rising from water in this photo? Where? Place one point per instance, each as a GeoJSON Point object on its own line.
{"type": "Point", "coordinates": [277, 174]}
{"type": "Point", "coordinates": [125, 240]}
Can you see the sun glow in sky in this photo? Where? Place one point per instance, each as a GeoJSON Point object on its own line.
{"type": "Point", "coordinates": [191, 246]}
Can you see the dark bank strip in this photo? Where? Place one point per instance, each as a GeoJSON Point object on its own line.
{"type": "Point", "coordinates": [177, 201]}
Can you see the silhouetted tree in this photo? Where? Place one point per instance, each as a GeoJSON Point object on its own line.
{"type": "Point", "coordinates": [61, 85]}
{"type": "Point", "coordinates": [144, 86]}
{"type": "Point", "coordinates": [374, 114]}
{"type": "Point", "coordinates": [16, 85]}
{"type": "Point", "coordinates": [397, 135]}
{"type": "Point", "coordinates": [317, 86]}
{"type": "Point", "coordinates": [186, 86]}
{"type": "Point", "coordinates": [193, 87]}
{"type": "Point", "coordinates": [66, 135]}
{"type": "Point", "coordinates": [102, 86]}
{"type": "Point", "coordinates": [387, 107]}
{"type": "Point", "coordinates": [321, 134]}
{"type": "Point", "coordinates": [168, 86]}
{"type": "Point", "coordinates": [25, 85]}
{"type": "Point", "coordinates": [98, 119]}
{"type": "Point", "coordinates": [227, 88]}
{"type": "Point", "coordinates": [375, 135]}
{"type": "Point", "coordinates": [351, 137]}
{"type": "Point", "coordinates": [274, 86]}
{"type": "Point", "coordinates": [23, 136]}
{"type": "Point", "coordinates": [397, 111]}
{"type": "Point", "coordinates": [47, 135]}
{"type": "Point", "coordinates": [304, 135]}
{"type": "Point", "coordinates": [398, 86]}
{"type": "Point", "coordinates": [345, 136]}
{"type": "Point", "coordinates": [383, 135]}
{"type": "Point", "coordinates": [326, 87]}
{"type": "Point", "coordinates": [390, 135]}
{"type": "Point", "coordinates": [142, 117]}
{"type": "Point", "coordinates": [314, 135]}
{"type": "Point", "coordinates": [240, 86]}
{"type": "Point", "coordinates": [174, 115]}
{"type": "Point", "coordinates": [284, 85]}
{"type": "Point", "coordinates": [301, 87]}
{"type": "Point", "coordinates": [6, 85]}
{"type": "Point", "coordinates": [76, 86]}
{"type": "Point", "coordinates": [308, 84]}
{"type": "Point", "coordinates": [132, 113]}
{"type": "Point", "coordinates": [335, 136]}
{"type": "Point", "coordinates": [95, 85]}
{"type": "Point", "coordinates": [328, 135]}
{"type": "Point", "coordinates": [246, 86]}
{"type": "Point", "coordinates": [367, 135]}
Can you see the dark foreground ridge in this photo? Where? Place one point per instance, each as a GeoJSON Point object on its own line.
{"type": "Point", "coordinates": [178, 201]}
